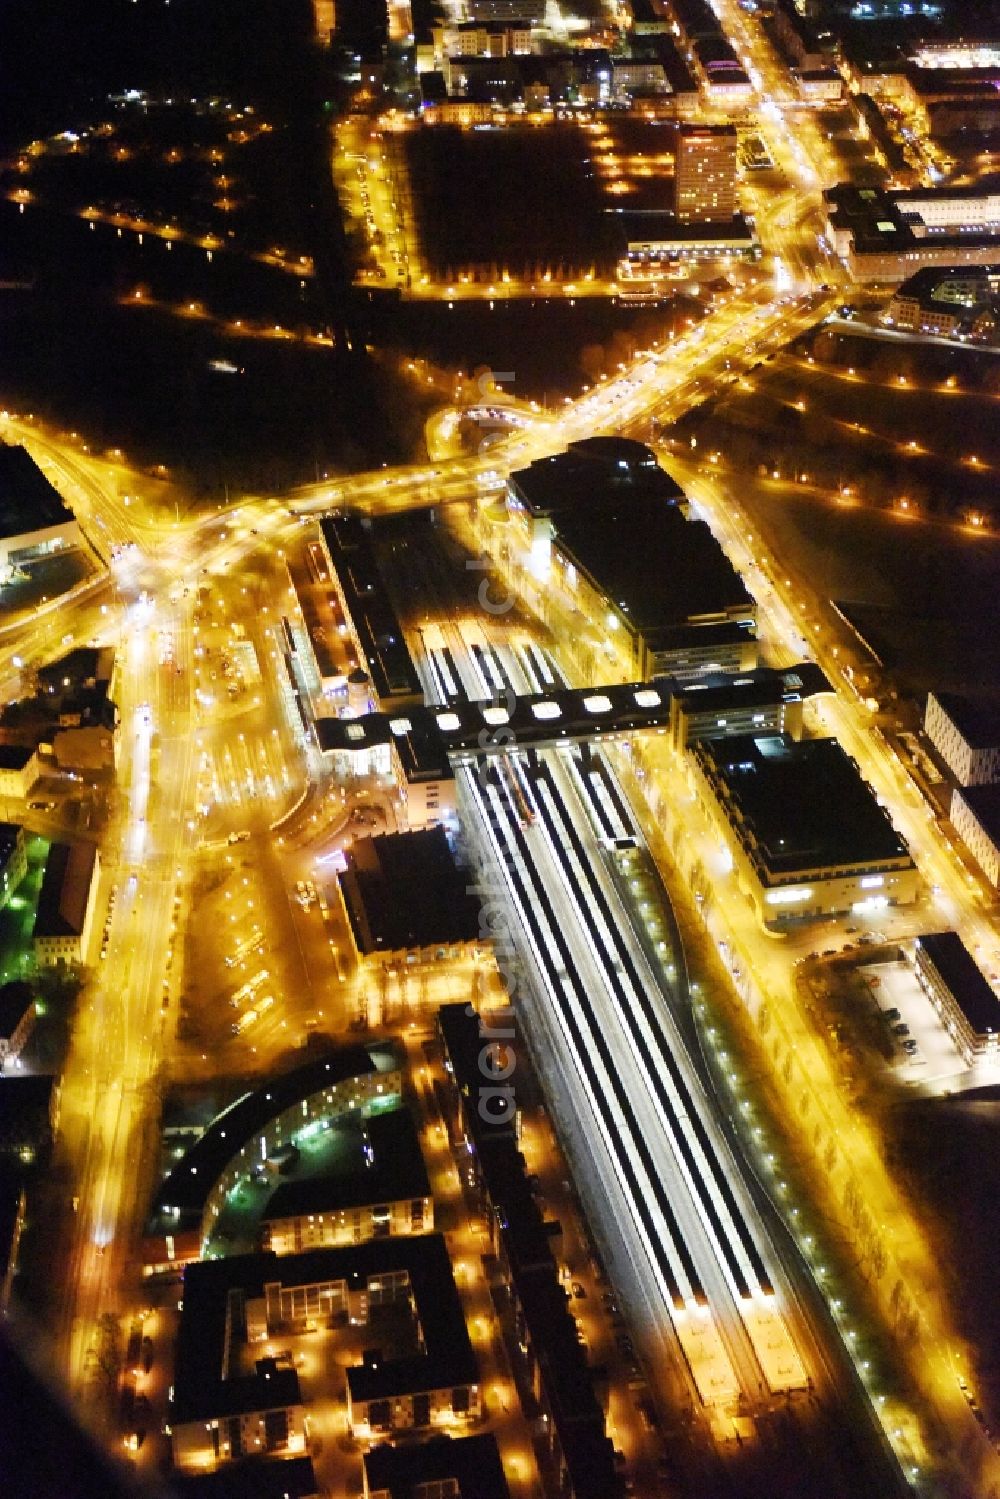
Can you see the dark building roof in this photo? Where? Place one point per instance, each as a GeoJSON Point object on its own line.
{"type": "Point", "coordinates": [256, 1478]}
{"type": "Point", "coordinates": [880, 221]}
{"type": "Point", "coordinates": [404, 890]}
{"type": "Point", "coordinates": [9, 832]}
{"type": "Point", "coordinates": [28, 502]}
{"type": "Point", "coordinates": [473, 1462]}
{"type": "Point", "coordinates": [601, 499]}
{"type": "Point", "coordinates": [419, 745]}
{"type": "Point", "coordinates": [976, 719]}
{"type": "Point", "coordinates": [352, 554]}
{"type": "Point", "coordinates": [15, 756]}
{"type": "Point", "coordinates": [62, 900]}
{"type": "Point", "coordinates": [566, 1378]}
{"type": "Point", "coordinates": [215, 1291]}
{"type": "Point", "coordinates": [464, 1039]}
{"type": "Point", "coordinates": [25, 1108]}
{"type": "Point", "coordinates": [391, 1168]}
{"type": "Point", "coordinates": [188, 1184]}
{"type": "Point", "coordinates": [677, 574]}
{"type": "Point", "coordinates": [965, 982]}
{"type": "Point", "coordinates": [15, 998]}
{"type": "Point", "coordinates": [801, 805]}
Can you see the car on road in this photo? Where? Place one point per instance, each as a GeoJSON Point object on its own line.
{"type": "Point", "coordinates": [578, 1291]}
{"type": "Point", "coordinates": [40, 806]}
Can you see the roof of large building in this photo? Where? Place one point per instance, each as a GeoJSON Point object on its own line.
{"type": "Point", "coordinates": [188, 1184]}
{"type": "Point", "coordinates": [404, 890]}
{"type": "Point", "coordinates": [976, 719]}
{"type": "Point", "coordinates": [255, 1478]}
{"type": "Point", "coordinates": [15, 999]}
{"type": "Point", "coordinates": [62, 900]}
{"type": "Point", "coordinates": [28, 502]}
{"type": "Point", "coordinates": [349, 544]}
{"type": "Point", "coordinates": [388, 1166]}
{"type": "Point", "coordinates": [215, 1289]}
{"type": "Point", "coordinates": [599, 509]}
{"type": "Point", "coordinates": [802, 805]}
{"type": "Point", "coordinates": [964, 980]}
{"type": "Point", "coordinates": [472, 1462]}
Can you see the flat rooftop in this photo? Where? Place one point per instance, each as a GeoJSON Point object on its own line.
{"type": "Point", "coordinates": [964, 980]}
{"type": "Point", "coordinates": [254, 1478]}
{"type": "Point", "coordinates": [28, 502]}
{"type": "Point", "coordinates": [802, 805]}
{"type": "Point", "coordinates": [188, 1184]}
{"type": "Point", "coordinates": [601, 500]}
{"type": "Point", "coordinates": [215, 1289]}
{"type": "Point", "coordinates": [405, 890]}
{"type": "Point", "coordinates": [8, 840]}
{"type": "Point", "coordinates": [471, 1462]}
{"type": "Point", "coordinates": [15, 998]}
{"type": "Point", "coordinates": [976, 719]}
{"type": "Point", "coordinates": [389, 1168]}
{"type": "Point", "coordinates": [349, 545]}
{"type": "Point", "coordinates": [15, 756]}
{"type": "Point", "coordinates": [659, 568]}
{"type": "Point", "coordinates": [62, 900]}
{"type": "Point", "coordinates": [421, 750]}
{"type": "Point", "coordinates": [720, 691]}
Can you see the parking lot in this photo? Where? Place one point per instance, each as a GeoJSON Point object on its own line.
{"type": "Point", "coordinates": [933, 1060]}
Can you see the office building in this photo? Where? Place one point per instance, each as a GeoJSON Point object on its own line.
{"type": "Point", "coordinates": [20, 768]}
{"type": "Point", "coordinates": [766, 700]}
{"type": "Point", "coordinates": [407, 900]}
{"type": "Point", "coordinates": [705, 173]}
{"type": "Point", "coordinates": [975, 816]}
{"type": "Point", "coordinates": [885, 234]}
{"type": "Point", "coordinates": [598, 541]}
{"type": "Point", "coordinates": [961, 994]}
{"type": "Point", "coordinates": [406, 749]}
{"type": "Point", "coordinates": [966, 734]}
{"type": "Point", "coordinates": [807, 837]}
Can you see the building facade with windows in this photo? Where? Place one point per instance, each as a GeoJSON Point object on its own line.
{"type": "Point", "coordinates": [966, 734]}
{"type": "Point", "coordinates": [961, 994]}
